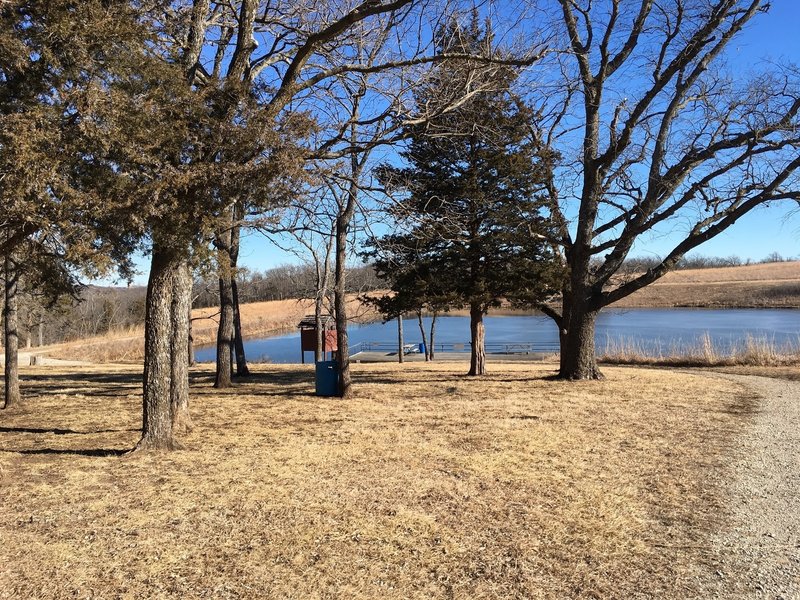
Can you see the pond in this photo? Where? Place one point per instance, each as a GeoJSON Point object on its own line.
{"type": "Point", "coordinates": [650, 330]}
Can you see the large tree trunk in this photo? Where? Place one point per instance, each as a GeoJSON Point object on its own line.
{"type": "Point", "coordinates": [11, 334]}
{"type": "Point", "coordinates": [225, 330]}
{"type": "Point", "coordinates": [157, 432]}
{"type": "Point", "coordinates": [477, 362]}
{"type": "Point", "coordinates": [181, 309]}
{"type": "Point", "coordinates": [423, 334]}
{"type": "Point", "coordinates": [238, 340]}
{"type": "Point", "coordinates": [242, 370]}
{"type": "Point", "coordinates": [576, 337]}
{"type": "Point", "coordinates": [225, 334]}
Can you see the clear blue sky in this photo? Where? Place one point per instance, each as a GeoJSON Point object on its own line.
{"type": "Point", "coordinates": [771, 37]}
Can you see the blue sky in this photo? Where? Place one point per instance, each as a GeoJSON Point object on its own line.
{"type": "Point", "coordinates": [771, 37]}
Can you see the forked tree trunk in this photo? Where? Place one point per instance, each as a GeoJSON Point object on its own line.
{"type": "Point", "coordinates": [578, 360]}
{"type": "Point", "coordinates": [477, 362]}
{"type": "Point", "coordinates": [11, 334]}
{"type": "Point", "coordinates": [181, 308]}
{"type": "Point", "coordinates": [157, 432]}
{"type": "Point", "coordinates": [424, 335]}
{"type": "Point", "coordinates": [400, 341]}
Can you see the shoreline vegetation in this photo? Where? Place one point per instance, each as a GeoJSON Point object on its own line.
{"type": "Point", "coordinates": [768, 285]}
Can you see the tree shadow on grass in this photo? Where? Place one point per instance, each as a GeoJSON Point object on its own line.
{"type": "Point", "coordinates": [90, 384]}
{"type": "Point", "coordinates": [57, 431]}
{"type": "Point", "coordinates": [292, 384]}
{"type": "Point", "coordinates": [93, 452]}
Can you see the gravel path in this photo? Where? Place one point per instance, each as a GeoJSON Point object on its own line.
{"type": "Point", "coordinates": [758, 555]}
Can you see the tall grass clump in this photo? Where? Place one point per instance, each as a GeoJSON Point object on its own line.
{"type": "Point", "coordinates": [758, 351]}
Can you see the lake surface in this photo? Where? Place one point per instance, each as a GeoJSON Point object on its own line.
{"type": "Point", "coordinates": [651, 330]}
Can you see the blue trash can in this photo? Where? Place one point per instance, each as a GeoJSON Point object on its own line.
{"type": "Point", "coordinates": [422, 348]}
{"type": "Point", "coordinates": [327, 378]}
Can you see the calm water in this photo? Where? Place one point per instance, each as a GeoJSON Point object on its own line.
{"type": "Point", "coordinates": [653, 330]}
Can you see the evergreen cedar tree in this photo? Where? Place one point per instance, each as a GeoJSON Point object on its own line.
{"type": "Point", "coordinates": [54, 225]}
{"type": "Point", "coordinates": [470, 213]}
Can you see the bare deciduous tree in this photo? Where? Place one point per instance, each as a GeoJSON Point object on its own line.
{"type": "Point", "coordinates": [655, 135]}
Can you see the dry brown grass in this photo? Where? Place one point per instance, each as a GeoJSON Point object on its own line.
{"type": "Point", "coordinates": [751, 352]}
{"type": "Point", "coordinates": [427, 484]}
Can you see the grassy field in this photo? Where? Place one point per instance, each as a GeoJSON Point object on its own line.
{"type": "Point", "coordinates": [426, 485]}
{"type": "Point", "coordinates": [769, 285]}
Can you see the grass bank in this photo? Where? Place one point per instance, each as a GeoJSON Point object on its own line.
{"type": "Point", "coordinates": [427, 484]}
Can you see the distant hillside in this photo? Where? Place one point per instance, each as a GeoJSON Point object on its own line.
{"type": "Point", "coordinates": [768, 285]}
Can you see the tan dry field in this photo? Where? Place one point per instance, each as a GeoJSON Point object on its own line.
{"type": "Point", "coordinates": [427, 484]}
{"type": "Point", "coordinates": [769, 285]}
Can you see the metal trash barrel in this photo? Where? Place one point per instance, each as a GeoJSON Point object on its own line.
{"type": "Point", "coordinates": [327, 378]}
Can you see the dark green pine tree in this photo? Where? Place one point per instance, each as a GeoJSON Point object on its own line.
{"type": "Point", "coordinates": [472, 227]}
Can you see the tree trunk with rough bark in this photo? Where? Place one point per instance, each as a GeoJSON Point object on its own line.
{"type": "Point", "coordinates": [11, 334]}
{"type": "Point", "coordinates": [400, 341]}
{"type": "Point", "coordinates": [157, 432]}
{"type": "Point", "coordinates": [477, 362]}
{"type": "Point", "coordinates": [576, 328]}
{"type": "Point", "coordinates": [225, 329]}
{"type": "Point", "coordinates": [238, 340]}
{"type": "Point", "coordinates": [225, 334]}
{"type": "Point", "coordinates": [179, 384]}
{"type": "Point", "coordinates": [242, 370]}
{"type": "Point", "coordinates": [576, 338]}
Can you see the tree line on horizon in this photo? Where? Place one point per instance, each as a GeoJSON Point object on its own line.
{"type": "Point", "coordinates": [521, 156]}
